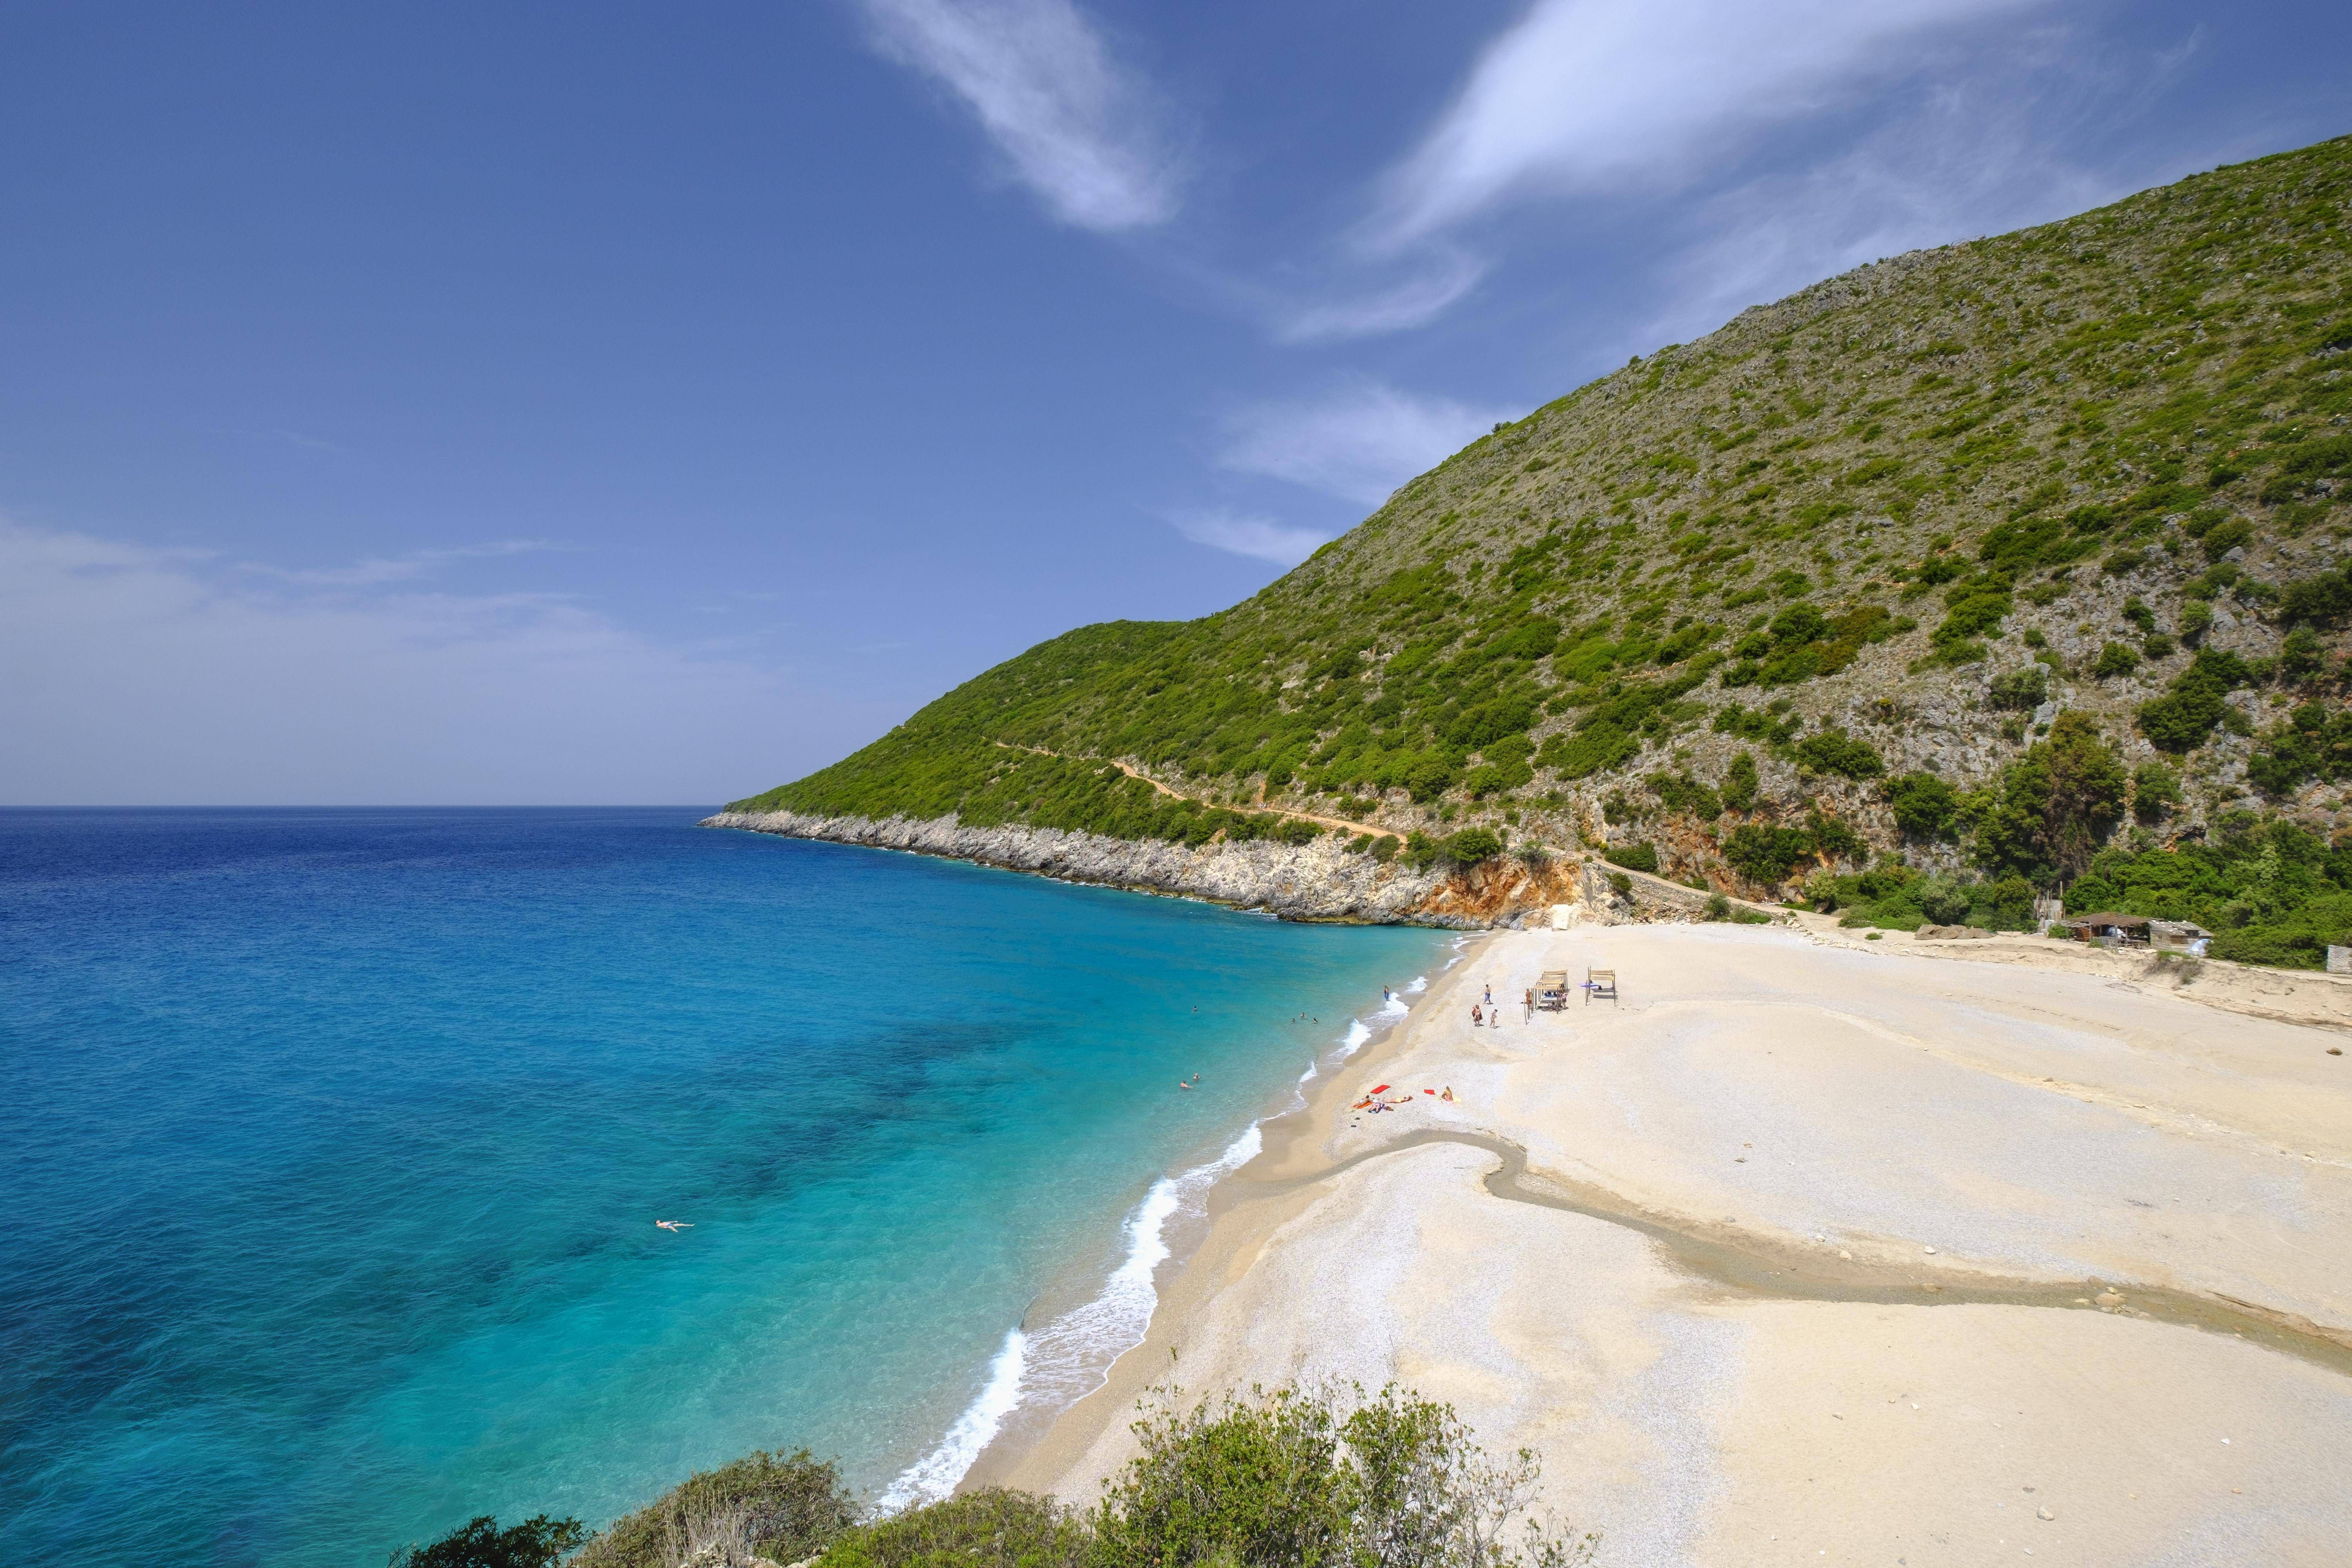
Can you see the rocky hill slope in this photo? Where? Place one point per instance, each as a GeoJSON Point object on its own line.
{"type": "Point", "coordinates": [2017, 557]}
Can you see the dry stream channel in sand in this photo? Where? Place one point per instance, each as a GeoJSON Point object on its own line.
{"type": "Point", "coordinates": [1812, 1254]}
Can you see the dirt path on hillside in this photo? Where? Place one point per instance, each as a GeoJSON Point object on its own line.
{"type": "Point", "coordinates": [1339, 823]}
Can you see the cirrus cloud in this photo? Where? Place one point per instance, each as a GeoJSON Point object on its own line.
{"type": "Point", "coordinates": [1085, 133]}
{"type": "Point", "coordinates": [1588, 96]}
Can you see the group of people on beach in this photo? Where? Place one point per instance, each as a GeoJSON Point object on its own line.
{"type": "Point", "coordinates": [1487, 1016]}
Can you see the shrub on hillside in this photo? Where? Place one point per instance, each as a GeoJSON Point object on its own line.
{"type": "Point", "coordinates": [1767, 855]}
{"type": "Point", "coordinates": [1473, 844]}
{"type": "Point", "coordinates": [2020, 690]}
{"type": "Point", "coordinates": [1925, 806]}
{"type": "Point", "coordinates": [2116, 658]}
{"type": "Point", "coordinates": [1835, 752]}
{"type": "Point", "coordinates": [2052, 808]}
{"type": "Point", "coordinates": [1738, 787]}
{"type": "Point", "coordinates": [1635, 856]}
{"type": "Point", "coordinates": [2183, 718]}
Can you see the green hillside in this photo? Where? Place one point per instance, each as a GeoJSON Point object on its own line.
{"type": "Point", "coordinates": [2016, 560]}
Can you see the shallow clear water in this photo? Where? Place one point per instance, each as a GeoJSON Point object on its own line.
{"type": "Point", "coordinates": [333, 1142]}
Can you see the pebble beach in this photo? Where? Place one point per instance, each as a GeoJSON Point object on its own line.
{"type": "Point", "coordinates": [1803, 1252]}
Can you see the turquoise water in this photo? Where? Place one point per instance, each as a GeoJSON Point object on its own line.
{"type": "Point", "coordinates": [333, 1142]}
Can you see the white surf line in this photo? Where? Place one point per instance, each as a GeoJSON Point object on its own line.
{"type": "Point", "coordinates": [1071, 1357]}
{"type": "Point", "coordinates": [935, 1475]}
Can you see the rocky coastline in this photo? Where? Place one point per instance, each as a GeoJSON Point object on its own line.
{"type": "Point", "coordinates": [1315, 882]}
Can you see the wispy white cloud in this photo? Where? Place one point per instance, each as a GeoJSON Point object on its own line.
{"type": "Point", "coordinates": [1446, 276]}
{"type": "Point", "coordinates": [1085, 132]}
{"type": "Point", "coordinates": [1979, 152]}
{"type": "Point", "coordinates": [378, 569]}
{"type": "Point", "coordinates": [141, 676]}
{"type": "Point", "coordinates": [1586, 96]}
{"type": "Point", "coordinates": [1261, 538]}
{"type": "Point", "coordinates": [1358, 441]}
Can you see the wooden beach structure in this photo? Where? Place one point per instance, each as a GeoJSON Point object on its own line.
{"type": "Point", "coordinates": [1552, 989]}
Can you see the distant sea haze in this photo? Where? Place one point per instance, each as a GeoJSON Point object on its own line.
{"type": "Point", "coordinates": [335, 1143]}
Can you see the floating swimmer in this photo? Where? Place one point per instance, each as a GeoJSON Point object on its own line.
{"type": "Point", "coordinates": [674, 1225]}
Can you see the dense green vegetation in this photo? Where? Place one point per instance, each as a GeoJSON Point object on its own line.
{"type": "Point", "coordinates": [1754, 587]}
{"type": "Point", "coordinates": [1292, 1479]}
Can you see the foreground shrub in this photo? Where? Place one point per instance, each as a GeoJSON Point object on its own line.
{"type": "Point", "coordinates": [783, 1506]}
{"type": "Point", "coordinates": [990, 1528]}
{"type": "Point", "coordinates": [536, 1542]}
{"type": "Point", "coordinates": [1286, 1480]}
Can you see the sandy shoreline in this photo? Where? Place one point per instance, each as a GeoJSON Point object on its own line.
{"type": "Point", "coordinates": [1813, 1253]}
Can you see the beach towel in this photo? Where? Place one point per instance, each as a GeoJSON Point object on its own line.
{"type": "Point", "coordinates": [1379, 1088]}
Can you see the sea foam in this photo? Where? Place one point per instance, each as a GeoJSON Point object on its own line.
{"type": "Point", "coordinates": [1070, 1357]}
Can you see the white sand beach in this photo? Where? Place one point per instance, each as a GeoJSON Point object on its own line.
{"type": "Point", "coordinates": [1811, 1253]}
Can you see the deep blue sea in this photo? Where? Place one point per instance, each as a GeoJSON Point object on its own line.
{"type": "Point", "coordinates": [333, 1143]}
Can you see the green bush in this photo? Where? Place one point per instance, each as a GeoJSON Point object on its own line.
{"type": "Point", "coordinates": [1835, 752]}
{"type": "Point", "coordinates": [1767, 855]}
{"type": "Point", "coordinates": [785, 1507]}
{"type": "Point", "coordinates": [1738, 788]}
{"type": "Point", "coordinates": [536, 1543]}
{"type": "Point", "coordinates": [2116, 658]}
{"type": "Point", "coordinates": [1290, 1479]}
{"type": "Point", "coordinates": [990, 1528]}
{"type": "Point", "coordinates": [1925, 806]}
{"type": "Point", "coordinates": [1473, 844]}
{"type": "Point", "coordinates": [2020, 690]}
{"type": "Point", "coordinates": [2183, 718]}
{"type": "Point", "coordinates": [1719, 908]}
{"type": "Point", "coordinates": [1620, 884]}
{"type": "Point", "coordinates": [2052, 808]}
{"type": "Point", "coordinates": [2225, 537]}
{"type": "Point", "coordinates": [2155, 790]}
{"type": "Point", "coordinates": [1834, 839]}
{"type": "Point", "coordinates": [1635, 856]}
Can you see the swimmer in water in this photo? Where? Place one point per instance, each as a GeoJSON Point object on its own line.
{"type": "Point", "coordinates": [674, 1225]}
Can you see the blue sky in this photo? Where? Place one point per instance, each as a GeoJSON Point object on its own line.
{"type": "Point", "coordinates": [584, 402]}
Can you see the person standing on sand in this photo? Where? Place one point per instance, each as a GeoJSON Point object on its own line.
{"type": "Point", "coordinates": [1475, 1019]}
{"type": "Point", "coordinates": [1531, 1006]}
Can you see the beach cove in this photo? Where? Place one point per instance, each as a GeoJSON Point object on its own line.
{"type": "Point", "coordinates": [343, 1138]}
{"type": "Point", "coordinates": [1806, 1252]}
